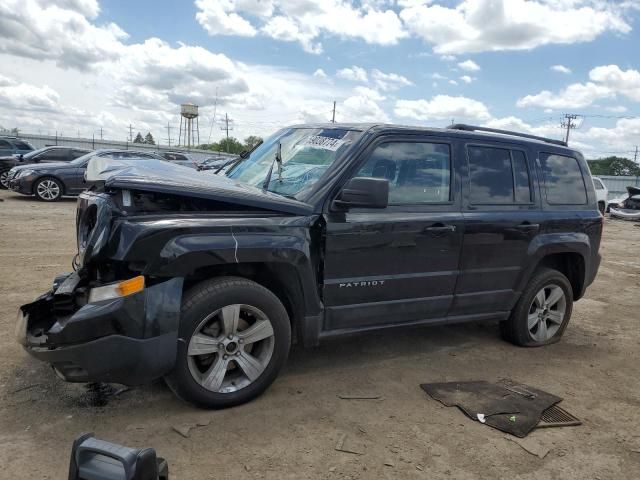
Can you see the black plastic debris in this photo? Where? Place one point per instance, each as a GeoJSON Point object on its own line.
{"type": "Point", "coordinates": [94, 459]}
{"type": "Point", "coordinates": [510, 407]}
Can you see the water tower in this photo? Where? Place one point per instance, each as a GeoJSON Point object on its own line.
{"type": "Point", "coordinates": [190, 132]}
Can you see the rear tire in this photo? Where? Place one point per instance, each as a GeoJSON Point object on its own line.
{"type": "Point", "coordinates": [234, 338]}
{"type": "Point", "coordinates": [541, 315]}
{"type": "Point", "coordinates": [48, 189]}
{"type": "Point", "coordinates": [602, 207]}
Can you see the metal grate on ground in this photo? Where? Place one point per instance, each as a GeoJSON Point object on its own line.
{"type": "Point", "coordinates": [557, 417]}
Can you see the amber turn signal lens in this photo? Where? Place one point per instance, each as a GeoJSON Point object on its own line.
{"type": "Point", "coordinates": [133, 285]}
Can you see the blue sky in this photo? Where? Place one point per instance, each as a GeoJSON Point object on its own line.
{"type": "Point", "coordinates": [81, 65]}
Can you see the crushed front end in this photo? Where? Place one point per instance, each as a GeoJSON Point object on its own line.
{"type": "Point", "coordinates": [105, 321]}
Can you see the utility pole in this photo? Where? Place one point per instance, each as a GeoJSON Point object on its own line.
{"type": "Point", "coordinates": [100, 133]}
{"type": "Point", "coordinates": [168, 134]}
{"type": "Point", "coordinates": [635, 155]}
{"type": "Point", "coordinates": [569, 123]}
{"type": "Point", "coordinates": [226, 127]}
{"type": "Point", "coordinates": [130, 133]}
{"type": "Point", "coordinates": [333, 117]}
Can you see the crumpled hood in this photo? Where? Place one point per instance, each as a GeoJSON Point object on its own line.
{"type": "Point", "coordinates": [166, 177]}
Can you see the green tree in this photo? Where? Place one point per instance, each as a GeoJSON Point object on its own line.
{"type": "Point", "coordinates": [251, 141]}
{"type": "Point", "coordinates": [230, 145]}
{"type": "Point", "coordinates": [209, 146]}
{"type": "Point", "coordinates": [618, 166]}
{"type": "Point", "coordinates": [138, 139]}
{"type": "Point", "coordinates": [149, 139]}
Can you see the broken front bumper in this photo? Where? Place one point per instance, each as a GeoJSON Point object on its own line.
{"type": "Point", "coordinates": [129, 340]}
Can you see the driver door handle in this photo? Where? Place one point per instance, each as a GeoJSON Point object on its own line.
{"type": "Point", "coordinates": [528, 227]}
{"type": "Point", "coordinates": [440, 228]}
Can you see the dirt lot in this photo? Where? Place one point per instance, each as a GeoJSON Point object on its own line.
{"type": "Point", "coordinates": [291, 431]}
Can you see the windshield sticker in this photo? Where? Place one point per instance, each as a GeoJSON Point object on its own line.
{"type": "Point", "coordinates": [325, 143]}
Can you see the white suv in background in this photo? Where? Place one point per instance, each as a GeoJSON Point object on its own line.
{"type": "Point", "coordinates": [601, 194]}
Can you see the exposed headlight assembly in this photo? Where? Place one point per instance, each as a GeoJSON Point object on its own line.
{"type": "Point", "coordinates": [117, 290]}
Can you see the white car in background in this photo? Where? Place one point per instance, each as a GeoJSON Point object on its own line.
{"type": "Point", "coordinates": [601, 194]}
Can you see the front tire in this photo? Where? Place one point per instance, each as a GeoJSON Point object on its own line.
{"type": "Point", "coordinates": [234, 338]}
{"type": "Point", "coordinates": [541, 315]}
{"type": "Point", "coordinates": [48, 189]}
{"type": "Point", "coordinates": [4, 179]}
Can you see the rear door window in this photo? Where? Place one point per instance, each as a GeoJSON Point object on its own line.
{"type": "Point", "coordinates": [498, 176]}
{"type": "Point", "coordinates": [55, 155]}
{"type": "Point", "coordinates": [563, 180]}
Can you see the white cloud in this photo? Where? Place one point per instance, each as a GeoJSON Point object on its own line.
{"type": "Point", "coordinates": [469, 66]}
{"type": "Point", "coordinates": [561, 69]}
{"type": "Point", "coordinates": [492, 25]}
{"type": "Point", "coordinates": [24, 96]}
{"type": "Point", "coordinates": [361, 108]}
{"type": "Point", "coordinates": [438, 76]}
{"type": "Point", "coordinates": [354, 74]}
{"type": "Point", "coordinates": [369, 93]}
{"type": "Point", "coordinates": [607, 81]}
{"type": "Point", "coordinates": [287, 30]}
{"type": "Point", "coordinates": [625, 82]}
{"type": "Point", "coordinates": [320, 73]}
{"type": "Point", "coordinates": [576, 95]}
{"type": "Point", "coordinates": [616, 109]}
{"type": "Point", "coordinates": [442, 107]}
{"type": "Point", "coordinates": [597, 141]}
{"type": "Point", "coordinates": [303, 21]}
{"type": "Point", "coordinates": [43, 30]}
{"type": "Point", "coordinates": [218, 17]}
{"type": "Point", "coordinates": [453, 82]}
{"type": "Point", "coordinates": [389, 81]}
{"type": "Point", "coordinates": [467, 79]}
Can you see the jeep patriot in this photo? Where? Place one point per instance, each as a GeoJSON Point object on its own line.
{"type": "Point", "coordinates": [206, 280]}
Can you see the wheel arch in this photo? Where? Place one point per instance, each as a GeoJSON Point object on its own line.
{"type": "Point", "coordinates": [282, 279]}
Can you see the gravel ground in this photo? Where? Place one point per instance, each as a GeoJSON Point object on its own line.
{"type": "Point", "coordinates": [292, 430]}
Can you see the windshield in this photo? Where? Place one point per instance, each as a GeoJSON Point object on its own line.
{"type": "Point", "coordinates": [306, 154]}
{"type": "Point", "coordinates": [82, 159]}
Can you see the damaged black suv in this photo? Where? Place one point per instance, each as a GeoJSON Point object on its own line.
{"type": "Point", "coordinates": [207, 280]}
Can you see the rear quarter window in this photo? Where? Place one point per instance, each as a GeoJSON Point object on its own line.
{"type": "Point", "coordinates": [563, 180]}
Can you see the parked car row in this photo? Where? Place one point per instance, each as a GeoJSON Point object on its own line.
{"type": "Point", "coordinates": [51, 172]}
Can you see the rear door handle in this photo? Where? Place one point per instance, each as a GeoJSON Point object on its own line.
{"type": "Point", "coordinates": [439, 228]}
{"type": "Point", "coordinates": [529, 227]}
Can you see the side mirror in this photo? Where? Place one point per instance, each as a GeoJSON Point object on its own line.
{"type": "Point", "coordinates": [364, 192]}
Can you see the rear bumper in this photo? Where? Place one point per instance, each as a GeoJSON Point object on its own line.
{"type": "Point", "coordinates": [129, 340]}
